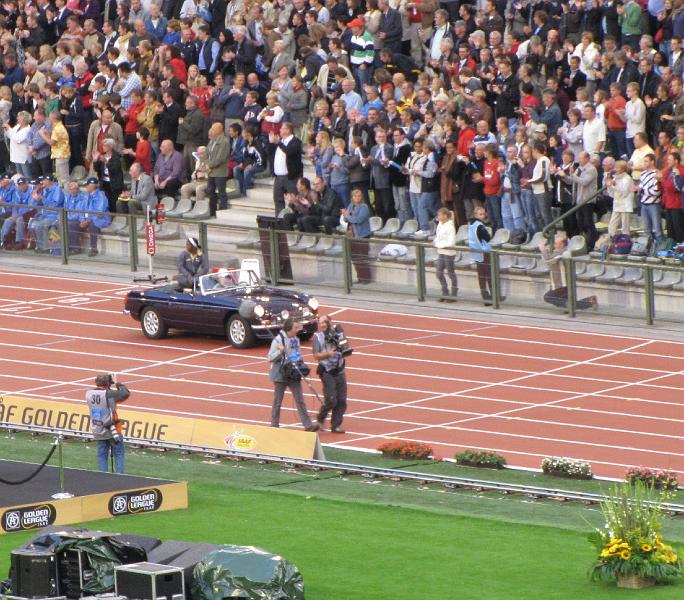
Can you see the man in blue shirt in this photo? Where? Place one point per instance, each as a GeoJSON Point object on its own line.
{"type": "Point", "coordinates": [208, 51]}
{"type": "Point", "coordinates": [20, 214]}
{"type": "Point", "coordinates": [50, 196]}
{"type": "Point", "coordinates": [41, 164]}
{"type": "Point", "coordinates": [90, 221]}
{"type": "Point", "coordinates": [74, 203]}
{"type": "Point", "coordinates": [7, 193]}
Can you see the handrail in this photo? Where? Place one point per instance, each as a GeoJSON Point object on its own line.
{"type": "Point", "coordinates": [550, 229]}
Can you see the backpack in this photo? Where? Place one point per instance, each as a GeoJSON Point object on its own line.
{"type": "Point", "coordinates": [641, 246]}
{"type": "Point", "coordinates": [621, 244]}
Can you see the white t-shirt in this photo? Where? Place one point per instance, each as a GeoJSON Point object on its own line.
{"type": "Point", "coordinates": [594, 132]}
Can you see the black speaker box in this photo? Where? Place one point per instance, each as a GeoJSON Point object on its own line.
{"type": "Point", "coordinates": [167, 551]}
{"type": "Point", "coordinates": [190, 558]}
{"type": "Point", "coordinates": [145, 542]}
{"type": "Point", "coordinates": [148, 581]}
{"type": "Point", "coordinates": [34, 574]}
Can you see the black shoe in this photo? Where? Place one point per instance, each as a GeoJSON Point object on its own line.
{"type": "Point", "coordinates": [313, 427]}
{"type": "Point", "coordinates": [276, 425]}
{"type": "Point", "coordinates": [337, 430]}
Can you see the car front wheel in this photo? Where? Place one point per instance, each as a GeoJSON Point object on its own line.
{"type": "Point", "coordinates": [152, 324]}
{"type": "Point", "coordinates": [239, 332]}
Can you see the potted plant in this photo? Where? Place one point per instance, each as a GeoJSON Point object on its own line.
{"type": "Point", "coordinates": [630, 547]}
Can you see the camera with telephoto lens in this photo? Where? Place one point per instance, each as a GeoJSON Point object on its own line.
{"type": "Point", "coordinates": [116, 436]}
{"type": "Point", "coordinates": [334, 336]}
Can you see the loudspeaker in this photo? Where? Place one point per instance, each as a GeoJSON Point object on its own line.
{"type": "Point", "coordinates": [167, 551]}
{"type": "Point", "coordinates": [148, 581]}
{"type": "Point", "coordinates": [34, 574]}
{"type": "Point", "coordinates": [190, 558]}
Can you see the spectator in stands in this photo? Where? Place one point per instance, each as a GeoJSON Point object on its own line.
{"type": "Point", "coordinates": [326, 210]}
{"type": "Point", "coordinates": [650, 198]}
{"type": "Point", "coordinates": [217, 164]}
{"type": "Point", "coordinates": [92, 220]}
{"type": "Point", "coordinates": [190, 131]}
{"type": "Point", "coordinates": [19, 216]}
{"type": "Point", "coordinates": [672, 183]}
{"type": "Point", "coordinates": [478, 240]}
{"type": "Point", "coordinates": [357, 219]}
{"type": "Point", "coordinates": [169, 170]}
{"type": "Point", "coordinates": [107, 166]}
{"type": "Point", "coordinates": [39, 148]}
{"type": "Point", "coordinates": [253, 160]}
{"type": "Point", "coordinates": [287, 163]}
{"type": "Point", "coordinates": [445, 240]}
{"type": "Point", "coordinates": [198, 180]}
{"type": "Point", "coordinates": [51, 197]}
{"type": "Point", "coordinates": [141, 196]}
{"type": "Point", "coordinates": [621, 189]}
{"type": "Point", "coordinates": [18, 137]}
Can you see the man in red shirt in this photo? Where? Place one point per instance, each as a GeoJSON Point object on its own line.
{"type": "Point", "coordinates": [466, 134]}
{"type": "Point", "coordinates": [615, 121]}
{"type": "Point", "coordinates": [131, 124]}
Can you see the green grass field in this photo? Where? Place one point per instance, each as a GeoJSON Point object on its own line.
{"type": "Point", "coordinates": [356, 538]}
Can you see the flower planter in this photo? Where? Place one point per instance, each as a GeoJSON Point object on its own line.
{"type": "Point", "coordinates": [634, 582]}
{"type": "Point", "coordinates": [565, 475]}
{"type": "Point", "coordinates": [479, 465]}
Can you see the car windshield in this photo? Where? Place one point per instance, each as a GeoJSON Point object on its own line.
{"type": "Point", "coordinates": [227, 279]}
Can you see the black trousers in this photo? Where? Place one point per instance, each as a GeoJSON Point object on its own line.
{"type": "Point", "coordinates": [384, 204]}
{"type": "Point", "coordinates": [216, 190]}
{"type": "Point", "coordinates": [41, 166]}
{"type": "Point", "coordinates": [335, 392]}
{"type": "Point", "coordinates": [310, 223]}
{"type": "Point", "coordinates": [281, 185]}
{"type": "Point", "coordinates": [484, 276]}
{"type": "Point", "coordinates": [585, 224]}
{"type": "Point", "coordinates": [359, 258]}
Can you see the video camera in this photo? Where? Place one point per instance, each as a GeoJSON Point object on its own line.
{"type": "Point", "coordinates": [335, 336]}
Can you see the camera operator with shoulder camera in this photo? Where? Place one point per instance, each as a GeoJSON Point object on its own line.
{"type": "Point", "coordinates": [104, 423]}
{"type": "Point", "coordinates": [287, 371]}
{"type": "Point", "coordinates": [330, 347]}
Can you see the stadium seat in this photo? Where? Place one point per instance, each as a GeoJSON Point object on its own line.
{"type": "Point", "coordinates": [169, 203]}
{"type": "Point", "coordinates": [668, 279]}
{"type": "Point", "coordinates": [431, 256]}
{"type": "Point", "coordinates": [336, 249]}
{"type": "Point", "coordinates": [388, 230]}
{"type": "Point", "coordinates": [540, 268]}
{"type": "Point", "coordinates": [118, 222]}
{"type": "Point", "coordinates": [577, 246]}
{"type": "Point", "coordinates": [533, 244]}
{"type": "Point", "coordinates": [168, 231]}
{"type": "Point", "coordinates": [184, 206]}
{"type": "Point", "coordinates": [199, 211]}
{"type": "Point", "coordinates": [305, 242]}
{"type": "Point", "coordinates": [78, 173]}
{"type": "Point", "coordinates": [592, 271]}
{"type": "Point", "coordinates": [407, 230]}
{"type": "Point", "coordinates": [501, 237]}
{"type": "Point", "coordinates": [375, 225]}
{"type": "Point", "coordinates": [462, 235]}
{"type": "Point", "coordinates": [611, 273]}
{"type": "Point", "coordinates": [251, 240]}
{"type": "Point", "coordinates": [324, 243]}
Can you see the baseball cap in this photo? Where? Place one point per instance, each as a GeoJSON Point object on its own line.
{"type": "Point", "coordinates": [48, 178]}
{"type": "Point", "coordinates": [22, 180]}
{"type": "Point", "coordinates": [6, 177]}
{"type": "Point", "coordinates": [356, 23]}
{"type": "Point", "coordinates": [92, 180]}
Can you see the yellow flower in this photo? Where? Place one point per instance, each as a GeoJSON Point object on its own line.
{"type": "Point", "coordinates": [646, 547]}
{"type": "Point", "coordinates": [625, 555]}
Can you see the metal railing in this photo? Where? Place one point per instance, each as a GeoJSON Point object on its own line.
{"type": "Point", "coordinates": [421, 478]}
{"type": "Point", "coordinates": [336, 270]}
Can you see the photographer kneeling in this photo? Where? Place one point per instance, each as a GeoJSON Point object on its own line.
{"type": "Point", "coordinates": [104, 423]}
{"type": "Point", "coordinates": [329, 349]}
{"type": "Point", "coordinates": [287, 370]}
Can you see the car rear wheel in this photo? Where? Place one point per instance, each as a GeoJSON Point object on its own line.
{"type": "Point", "coordinates": [239, 332]}
{"type": "Point", "coordinates": [152, 324]}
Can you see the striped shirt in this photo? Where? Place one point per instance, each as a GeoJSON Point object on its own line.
{"type": "Point", "coordinates": [650, 187]}
{"type": "Point", "coordinates": [361, 49]}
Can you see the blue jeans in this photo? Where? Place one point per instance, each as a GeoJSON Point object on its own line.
{"type": "Point", "coordinates": [41, 227]}
{"type": "Point", "coordinates": [529, 208]}
{"type": "Point", "coordinates": [362, 76]}
{"type": "Point", "coordinates": [629, 146]}
{"type": "Point", "coordinates": [493, 204]}
{"type": "Point", "coordinates": [413, 201]}
{"type": "Point", "coordinates": [651, 218]}
{"type": "Point", "coordinates": [426, 210]}
{"type": "Point", "coordinates": [19, 228]}
{"type": "Point", "coordinates": [617, 141]}
{"type": "Point", "coordinates": [343, 190]}
{"type": "Point", "coordinates": [511, 212]}
{"type": "Point", "coordinates": [117, 450]}
{"type": "Point", "coordinates": [245, 177]}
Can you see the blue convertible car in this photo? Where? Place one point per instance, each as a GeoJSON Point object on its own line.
{"type": "Point", "coordinates": [231, 302]}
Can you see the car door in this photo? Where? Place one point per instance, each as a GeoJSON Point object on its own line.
{"type": "Point", "coordinates": [182, 312]}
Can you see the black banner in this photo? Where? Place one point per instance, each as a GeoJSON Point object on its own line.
{"type": "Point", "coordinates": [28, 517]}
{"type": "Point", "coordinates": [138, 501]}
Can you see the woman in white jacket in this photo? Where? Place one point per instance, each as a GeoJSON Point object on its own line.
{"type": "Point", "coordinates": [445, 240]}
{"type": "Point", "coordinates": [634, 116]}
{"type": "Point", "coordinates": [18, 139]}
{"type": "Point", "coordinates": [620, 189]}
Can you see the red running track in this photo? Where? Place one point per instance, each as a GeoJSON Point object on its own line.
{"type": "Point", "coordinates": [525, 392]}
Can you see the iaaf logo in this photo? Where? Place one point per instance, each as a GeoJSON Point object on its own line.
{"type": "Point", "coordinates": [241, 442]}
{"type": "Point", "coordinates": [135, 502]}
{"type": "Point", "coordinates": [28, 517]}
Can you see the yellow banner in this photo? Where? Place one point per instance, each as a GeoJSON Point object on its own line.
{"type": "Point", "coordinates": [159, 427]}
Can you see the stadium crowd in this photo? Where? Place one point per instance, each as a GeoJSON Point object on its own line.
{"type": "Point", "coordinates": [523, 107]}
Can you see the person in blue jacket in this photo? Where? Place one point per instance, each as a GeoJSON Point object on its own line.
{"type": "Point", "coordinates": [478, 241]}
{"type": "Point", "coordinates": [75, 204]}
{"type": "Point", "coordinates": [51, 196]}
{"type": "Point", "coordinates": [7, 193]}
{"type": "Point", "coordinates": [357, 217]}
{"type": "Point", "coordinates": [92, 222]}
{"type": "Point", "coordinates": [20, 214]}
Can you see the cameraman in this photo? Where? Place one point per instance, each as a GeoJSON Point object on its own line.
{"type": "Point", "coordinates": [331, 371]}
{"type": "Point", "coordinates": [103, 421]}
{"type": "Point", "coordinates": [285, 347]}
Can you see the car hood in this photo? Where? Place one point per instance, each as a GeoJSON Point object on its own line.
{"type": "Point", "coordinates": [264, 292]}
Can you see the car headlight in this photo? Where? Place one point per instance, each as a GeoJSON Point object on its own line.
{"type": "Point", "coordinates": [313, 304]}
{"type": "Point", "coordinates": [259, 311]}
